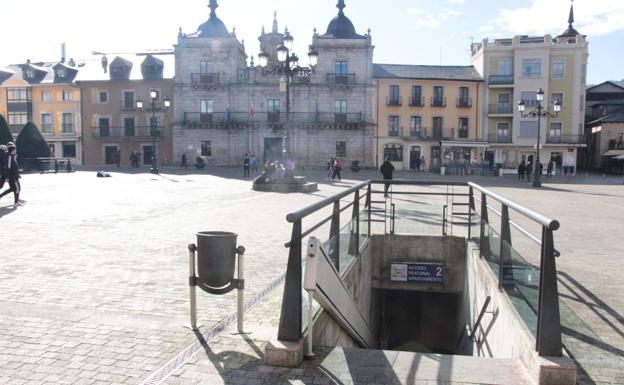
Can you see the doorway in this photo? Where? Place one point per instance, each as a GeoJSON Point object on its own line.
{"type": "Point", "coordinates": [110, 154]}
{"type": "Point", "coordinates": [148, 154]}
{"type": "Point", "coordinates": [273, 149]}
{"type": "Point", "coordinates": [435, 158]}
{"type": "Point", "coordinates": [414, 160]}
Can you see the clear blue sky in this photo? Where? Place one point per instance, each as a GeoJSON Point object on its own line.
{"type": "Point", "coordinates": [404, 31]}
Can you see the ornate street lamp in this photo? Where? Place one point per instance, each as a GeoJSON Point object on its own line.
{"type": "Point", "coordinates": [154, 131]}
{"type": "Point", "coordinates": [539, 112]}
{"type": "Point", "coordinates": [288, 66]}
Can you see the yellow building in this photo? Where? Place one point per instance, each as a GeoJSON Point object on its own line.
{"type": "Point", "coordinates": [515, 69]}
{"type": "Point", "coordinates": [427, 116]}
{"type": "Point", "coordinates": [45, 94]}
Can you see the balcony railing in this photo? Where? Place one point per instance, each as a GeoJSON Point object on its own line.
{"type": "Point", "coordinates": [501, 79]}
{"type": "Point", "coordinates": [438, 101]}
{"type": "Point", "coordinates": [341, 79]}
{"type": "Point", "coordinates": [494, 138]}
{"type": "Point", "coordinates": [47, 129]}
{"type": "Point", "coordinates": [128, 105]}
{"type": "Point", "coordinates": [122, 132]}
{"type": "Point", "coordinates": [464, 102]}
{"type": "Point", "coordinates": [462, 133]}
{"type": "Point", "coordinates": [566, 139]}
{"type": "Point", "coordinates": [15, 128]}
{"type": "Point", "coordinates": [416, 102]}
{"type": "Point", "coordinates": [501, 108]}
{"type": "Point", "coordinates": [68, 128]}
{"type": "Point", "coordinates": [233, 118]}
{"type": "Point", "coordinates": [394, 101]}
{"type": "Point", "coordinates": [436, 133]}
{"type": "Point", "coordinates": [205, 79]}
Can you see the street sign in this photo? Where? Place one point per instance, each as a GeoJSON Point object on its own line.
{"type": "Point", "coordinates": [423, 272]}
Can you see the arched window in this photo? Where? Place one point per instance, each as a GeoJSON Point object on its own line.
{"type": "Point", "coordinates": [394, 152]}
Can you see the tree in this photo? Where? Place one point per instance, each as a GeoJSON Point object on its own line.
{"type": "Point", "coordinates": [5, 133]}
{"type": "Point", "coordinates": [30, 144]}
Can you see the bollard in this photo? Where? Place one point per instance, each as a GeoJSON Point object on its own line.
{"type": "Point", "coordinates": [240, 250]}
{"type": "Point", "coordinates": [192, 285]}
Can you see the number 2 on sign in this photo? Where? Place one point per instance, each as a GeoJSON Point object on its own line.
{"type": "Point", "coordinates": [438, 271]}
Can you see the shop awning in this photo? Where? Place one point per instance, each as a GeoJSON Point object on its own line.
{"type": "Point", "coordinates": [619, 157]}
{"type": "Point", "coordinates": [613, 153]}
{"type": "Point", "coordinates": [464, 143]}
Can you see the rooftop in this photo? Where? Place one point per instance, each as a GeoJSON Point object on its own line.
{"type": "Point", "coordinates": [406, 71]}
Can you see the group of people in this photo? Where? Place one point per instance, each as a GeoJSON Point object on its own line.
{"type": "Point", "coordinates": [9, 171]}
{"type": "Point", "coordinates": [526, 168]}
{"type": "Point", "coordinates": [135, 159]}
{"type": "Point", "coordinates": [250, 165]}
{"type": "Point", "coordinates": [334, 168]}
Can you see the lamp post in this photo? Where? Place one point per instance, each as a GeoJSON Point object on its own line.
{"type": "Point", "coordinates": [539, 112]}
{"type": "Point", "coordinates": [154, 132]}
{"type": "Point", "coordinates": [288, 67]}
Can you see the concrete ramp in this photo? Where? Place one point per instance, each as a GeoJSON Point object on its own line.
{"type": "Point", "coordinates": [348, 365]}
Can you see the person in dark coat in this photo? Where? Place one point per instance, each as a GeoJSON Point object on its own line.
{"type": "Point", "coordinates": [549, 168]}
{"type": "Point", "coordinates": [386, 171]}
{"type": "Point", "coordinates": [184, 164]}
{"type": "Point", "coordinates": [521, 170]}
{"type": "Point", "coordinates": [11, 172]}
{"type": "Point", "coordinates": [529, 169]}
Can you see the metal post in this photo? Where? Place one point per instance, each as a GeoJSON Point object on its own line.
{"type": "Point", "coordinates": [471, 207]}
{"type": "Point", "coordinates": [192, 285]}
{"type": "Point", "coordinates": [334, 236]}
{"type": "Point", "coordinates": [241, 289]}
{"type": "Point", "coordinates": [484, 220]}
{"type": "Point", "coordinates": [153, 129]}
{"type": "Point", "coordinates": [310, 352]}
{"type": "Point", "coordinates": [548, 338]}
{"type": "Point", "coordinates": [290, 316]}
{"type": "Point", "coordinates": [505, 244]}
{"type": "Point", "coordinates": [369, 206]}
{"type": "Point", "coordinates": [536, 169]}
{"type": "Point", "coordinates": [356, 216]}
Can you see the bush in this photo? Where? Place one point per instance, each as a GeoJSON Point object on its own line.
{"type": "Point", "coordinates": [30, 144]}
{"type": "Point", "coordinates": [5, 133]}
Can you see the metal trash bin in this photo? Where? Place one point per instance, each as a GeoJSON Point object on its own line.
{"type": "Point", "coordinates": [216, 257]}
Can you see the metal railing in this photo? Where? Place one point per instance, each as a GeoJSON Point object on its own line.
{"type": "Point", "coordinates": [501, 108]}
{"type": "Point", "coordinates": [205, 79]}
{"type": "Point", "coordinates": [566, 139]}
{"type": "Point", "coordinates": [501, 79]}
{"type": "Point", "coordinates": [46, 164]}
{"type": "Point", "coordinates": [341, 79]}
{"type": "Point", "coordinates": [126, 132]}
{"type": "Point", "coordinates": [464, 103]}
{"type": "Point", "coordinates": [394, 101]}
{"type": "Point", "coordinates": [494, 138]}
{"type": "Point", "coordinates": [200, 118]}
{"type": "Point", "coordinates": [438, 102]}
{"type": "Point", "coordinates": [545, 301]}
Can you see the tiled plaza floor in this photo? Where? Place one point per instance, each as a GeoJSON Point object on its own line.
{"type": "Point", "coordinates": [93, 272]}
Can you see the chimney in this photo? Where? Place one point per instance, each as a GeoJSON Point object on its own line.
{"type": "Point", "coordinates": [72, 62]}
{"type": "Point", "coordinates": [62, 52]}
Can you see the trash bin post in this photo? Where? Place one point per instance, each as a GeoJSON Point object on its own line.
{"type": "Point", "coordinates": [192, 285]}
{"type": "Point", "coordinates": [240, 250]}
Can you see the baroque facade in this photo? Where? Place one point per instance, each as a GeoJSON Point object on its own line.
{"type": "Point", "coordinates": [226, 107]}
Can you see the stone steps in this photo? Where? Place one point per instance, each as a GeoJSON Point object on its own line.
{"type": "Point", "coordinates": [353, 365]}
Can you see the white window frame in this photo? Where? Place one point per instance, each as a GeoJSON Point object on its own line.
{"type": "Point", "coordinates": [557, 76]}
{"type": "Point", "coordinates": [43, 130]}
{"type": "Point", "coordinates": [46, 96]}
{"type": "Point", "coordinates": [529, 63]}
{"type": "Point", "coordinates": [501, 69]}
{"type": "Point", "coordinates": [99, 96]}
{"type": "Point", "coordinates": [508, 129]}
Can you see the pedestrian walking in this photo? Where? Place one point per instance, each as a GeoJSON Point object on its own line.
{"type": "Point", "coordinates": [337, 169]}
{"type": "Point", "coordinates": [183, 163]}
{"type": "Point", "coordinates": [386, 171]}
{"type": "Point", "coordinates": [254, 165]}
{"type": "Point", "coordinates": [529, 168]}
{"type": "Point", "coordinates": [246, 166]}
{"type": "Point", "coordinates": [422, 163]}
{"type": "Point", "coordinates": [521, 170]}
{"type": "Point", "coordinates": [119, 157]}
{"type": "Point", "coordinates": [11, 173]}
{"type": "Point", "coordinates": [330, 168]}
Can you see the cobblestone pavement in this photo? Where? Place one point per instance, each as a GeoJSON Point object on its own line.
{"type": "Point", "coordinates": [93, 274]}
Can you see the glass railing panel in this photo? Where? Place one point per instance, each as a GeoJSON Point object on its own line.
{"type": "Point", "coordinates": [490, 247]}
{"type": "Point", "coordinates": [415, 215]}
{"type": "Point", "coordinates": [347, 249]}
{"type": "Point", "coordinates": [521, 284]}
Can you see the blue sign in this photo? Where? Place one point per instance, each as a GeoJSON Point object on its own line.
{"type": "Point", "coordinates": [417, 272]}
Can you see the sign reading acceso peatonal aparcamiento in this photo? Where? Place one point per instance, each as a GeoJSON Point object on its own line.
{"type": "Point", "coordinates": [417, 272]}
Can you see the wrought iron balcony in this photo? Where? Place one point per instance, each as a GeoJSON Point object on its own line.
{"type": "Point", "coordinates": [341, 79]}
{"type": "Point", "coordinates": [394, 101]}
{"type": "Point", "coordinates": [243, 119]}
{"type": "Point", "coordinates": [416, 102]}
{"type": "Point", "coordinates": [501, 79]}
{"type": "Point", "coordinates": [494, 138]}
{"type": "Point", "coordinates": [438, 101]}
{"type": "Point", "coordinates": [566, 139]}
{"type": "Point", "coordinates": [464, 103]}
{"type": "Point", "coordinates": [205, 79]}
{"type": "Point", "coordinates": [67, 128]}
{"type": "Point", "coordinates": [139, 132]}
{"type": "Point", "coordinates": [501, 109]}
